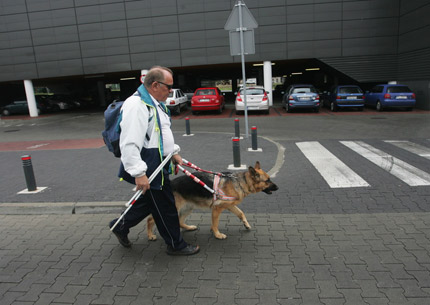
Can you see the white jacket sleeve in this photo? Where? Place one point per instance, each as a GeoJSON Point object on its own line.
{"type": "Point", "coordinates": [134, 126]}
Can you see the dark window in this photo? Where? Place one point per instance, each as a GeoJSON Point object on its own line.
{"type": "Point", "coordinates": [398, 89]}
{"type": "Point", "coordinates": [350, 90]}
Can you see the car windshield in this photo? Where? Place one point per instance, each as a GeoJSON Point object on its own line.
{"type": "Point", "coordinates": [304, 90]}
{"type": "Point", "coordinates": [253, 91]}
{"type": "Point", "coordinates": [206, 92]}
{"type": "Point", "coordinates": [350, 90]}
{"type": "Point", "coordinates": [398, 89]}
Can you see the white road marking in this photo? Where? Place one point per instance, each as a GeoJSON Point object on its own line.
{"type": "Point", "coordinates": [402, 170]}
{"type": "Point", "coordinates": [414, 148]}
{"type": "Point", "coordinates": [333, 170]}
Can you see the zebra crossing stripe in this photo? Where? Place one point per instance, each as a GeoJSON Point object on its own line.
{"type": "Point", "coordinates": [409, 174]}
{"type": "Point", "coordinates": [417, 149]}
{"type": "Point", "coordinates": [334, 171]}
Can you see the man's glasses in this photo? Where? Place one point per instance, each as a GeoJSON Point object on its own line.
{"type": "Point", "coordinates": [168, 86]}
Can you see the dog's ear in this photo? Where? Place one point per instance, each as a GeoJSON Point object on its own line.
{"type": "Point", "coordinates": [253, 173]}
{"type": "Point", "coordinates": [257, 165]}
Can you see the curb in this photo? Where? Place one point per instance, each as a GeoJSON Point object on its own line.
{"type": "Point", "coordinates": [58, 208]}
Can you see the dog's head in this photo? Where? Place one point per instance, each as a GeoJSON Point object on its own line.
{"type": "Point", "coordinates": [261, 180]}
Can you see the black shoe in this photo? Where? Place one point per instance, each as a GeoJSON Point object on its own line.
{"type": "Point", "coordinates": [122, 238]}
{"type": "Point", "coordinates": [188, 250]}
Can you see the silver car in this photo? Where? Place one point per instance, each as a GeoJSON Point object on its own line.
{"type": "Point", "coordinates": [256, 99]}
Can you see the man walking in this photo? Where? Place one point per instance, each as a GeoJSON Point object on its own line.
{"type": "Point", "coordinates": [146, 138]}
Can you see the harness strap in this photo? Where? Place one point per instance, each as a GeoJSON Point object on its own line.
{"type": "Point", "coordinates": [218, 193]}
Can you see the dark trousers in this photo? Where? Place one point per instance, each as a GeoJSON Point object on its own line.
{"type": "Point", "coordinates": [161, 204]}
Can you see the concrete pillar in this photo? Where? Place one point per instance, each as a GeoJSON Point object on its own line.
{"type": "Point", "coordinates": [31, 99]}
{"type": "Point", "coordinates": [267, 68]}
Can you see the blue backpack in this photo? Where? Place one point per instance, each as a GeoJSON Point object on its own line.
{"type": "Point", "coordinates": [113, 117]}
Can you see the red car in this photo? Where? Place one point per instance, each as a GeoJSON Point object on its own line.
{"type": "Point", "coordinates": [207, 99]}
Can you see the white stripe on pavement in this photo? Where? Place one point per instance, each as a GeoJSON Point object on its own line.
{"type": "Point", "coordinates": [402, 170]}
{"type": "Point", "coordinates": [414, 148]}
{"type": "Point", "coordinates": [334, 171]}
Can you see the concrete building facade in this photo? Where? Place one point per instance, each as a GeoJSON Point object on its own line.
{"type": "Point", "coordinates": [367, 41]}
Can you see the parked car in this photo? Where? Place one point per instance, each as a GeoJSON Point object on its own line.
{"type": "Point", "coordinates": [21, 107]}
{"type": "Point", "coordinates": [390, 95]}
{"type": "Point", "coordinates": [176, 100]}
{"type": "Point", "coordinates": [207, 99]}
{"type": "Point", "coordinates": [189, 93]}
{"type": "Point", "coordinates": [256, 99]}
{"type": "Point", "coordinates": [344, 96]}
{"type": "Point", "coordinates": [301, 96]}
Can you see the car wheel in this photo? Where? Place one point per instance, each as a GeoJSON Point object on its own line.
{"type": "Point", "coordinates": [6, 112]}
{"type": "Point", "coordinates": [287, 108]}
{"type": "Point", "coordinates": [220, 110]}
{"type": "Point", "coordinates": [360, 108]}
{"type": "Point", "coordinates": [177, 109]}
{"type": "Point", "coordinates": [333, 107]}
{"type": "Point", "coordinates": [409, 109]}
{"type": "Point", "coordinates": [317, 109]}
{"type": "Point", "coordinates": [267, 111]}
{"type": "Point", "coordinates": [194, 112]}
{"type": "Point", "coordinates": [379, 106]}
{"type": "Point", "coordinates": [39, 112]}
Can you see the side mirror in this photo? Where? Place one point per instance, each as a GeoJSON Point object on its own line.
{"type": "Point", "coordinates": [282, 92]}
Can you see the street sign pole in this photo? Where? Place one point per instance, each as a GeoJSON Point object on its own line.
{"type": "Point", "coordinates": [243, 23]}
{"type": "Point", "coordinates": [242, 55]}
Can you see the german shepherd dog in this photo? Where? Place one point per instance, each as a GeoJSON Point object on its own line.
{"type": "Point", "coordinates": [189, 195]}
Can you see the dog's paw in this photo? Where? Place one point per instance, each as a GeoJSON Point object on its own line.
{"type": "Point", "coordinates": [152, 237]}
{"type": "Point", "coordinates": [247, 225]}
{"type": "Point", "coordinates": [191, 228]}
{"type": "Point", "coordinates": [188, 228]}
{"type": "Point", "coordinates": [220, 236]}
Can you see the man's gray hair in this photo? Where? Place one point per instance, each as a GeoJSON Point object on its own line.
{"type": "Point", "coordinates": [155, 74]}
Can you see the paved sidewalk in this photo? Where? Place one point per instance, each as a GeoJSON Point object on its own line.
{"type": "Point", "coordinates": [283, 259]}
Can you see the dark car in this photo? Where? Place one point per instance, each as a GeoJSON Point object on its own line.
{"type": "Point", "coordinates": [301, 96]}
{"type": "Point", "coordinates": [207, 99]}
{"type": "Point", "coordinates": [390, 95]}
{"type": "Point", "coordinates": [21, 107]}
{"type": "Point", "coordinates": [345, 96]}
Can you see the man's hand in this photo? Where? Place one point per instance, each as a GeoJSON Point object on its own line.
{"type": "Point", "coordinates": [177, 159]}
{"type": "Point", "coordinates": [142, 183]}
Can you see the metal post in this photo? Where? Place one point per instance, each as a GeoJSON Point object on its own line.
{"type": "Point", "coordinates": [236, 152]}
{"type": "Point", "coordinates": [28, 172]}
{"type": "Point", "coordinates": [242, 57]}
{"type": "Point", "coordinates": [236, 128]}
{"type": "Point", "coordinates": [187, 126]}
{"type": "Point", "coordinates": [254, 137]}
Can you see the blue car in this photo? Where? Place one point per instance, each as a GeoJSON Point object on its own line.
{"type": "Point", "coordinates": [345, 96]}
{"type": "Point", "coordinates": [390, 95]}
{"type": "Point", "coordinates": [301, 96]}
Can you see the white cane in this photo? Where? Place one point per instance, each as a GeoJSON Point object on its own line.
{"type": "Point", "coordinates": [139, 192]}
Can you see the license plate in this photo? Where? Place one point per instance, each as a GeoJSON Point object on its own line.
{"type": "Point", "coordinates": [401, 97]}
{"type": "Point", "coordinates": [204, 100]}
{"type": "Point", "coordinates": [351, 97]}
{"type": "Point", "coordinates": [252, 108]}
{"type": "Point", "coordinates": [304, 98]}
